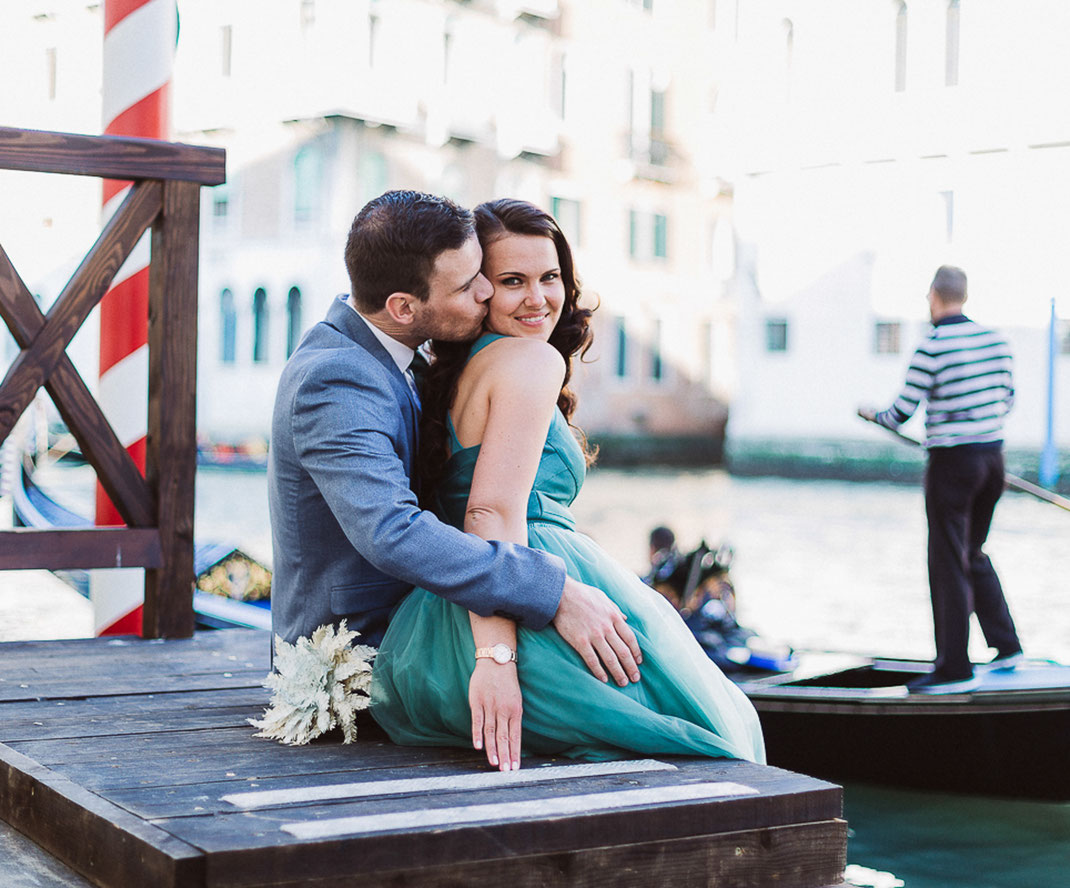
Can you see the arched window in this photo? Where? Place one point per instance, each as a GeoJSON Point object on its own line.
{"type": "Point", "coordinates": [260, 326]}
{"type": "Point", "coordinates": [951, 59]}
{"type": "Point", "coordinates": [228, 327]}
{"type": "Point", "coordinates": [293, 320]}
{"type": "Point", "coordinates": [901, 48]}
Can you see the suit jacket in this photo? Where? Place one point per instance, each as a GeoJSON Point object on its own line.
{"type": "Point", "coordinates": [349, 537]}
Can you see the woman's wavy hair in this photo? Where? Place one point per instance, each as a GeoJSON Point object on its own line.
{"type": "Point", "coordinates": [572, 337]}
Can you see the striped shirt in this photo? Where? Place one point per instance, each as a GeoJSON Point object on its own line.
{"type": "Point", "coordinates": [963, 372]}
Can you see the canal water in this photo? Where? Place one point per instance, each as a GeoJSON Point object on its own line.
{"type": "Point", "coordinates": [821, 565]}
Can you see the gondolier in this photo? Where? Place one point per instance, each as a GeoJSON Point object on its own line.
{"type": "Point", "coordinates": [963, 371]}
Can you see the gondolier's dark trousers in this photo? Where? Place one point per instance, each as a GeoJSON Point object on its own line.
{"type": "Point", "coordinates": [962, 486]}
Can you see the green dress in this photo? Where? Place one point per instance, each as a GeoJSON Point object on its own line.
{"type": "Point", "coordinates": [683, 704]}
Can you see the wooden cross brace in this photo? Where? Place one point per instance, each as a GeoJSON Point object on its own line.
{"type": "Point", "coordinates": [43, 360]}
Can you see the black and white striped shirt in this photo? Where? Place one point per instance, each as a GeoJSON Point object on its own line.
{"type": "Point", "coordinates": [963, 372]}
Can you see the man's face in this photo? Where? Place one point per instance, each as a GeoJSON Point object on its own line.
{"type": "Point", "coordinates": [457, 303]}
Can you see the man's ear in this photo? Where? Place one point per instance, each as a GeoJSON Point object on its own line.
{"type": "Point", "coordinates": [400, 308]}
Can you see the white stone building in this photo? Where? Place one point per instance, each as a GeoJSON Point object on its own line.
{"type": "Point", "coordinates": [868, 143]}
{"type": "Point", "coordinates": [596, 110]}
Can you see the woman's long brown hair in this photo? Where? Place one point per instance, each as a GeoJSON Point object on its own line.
{"type": "Point", "coordinates": [572, 337]}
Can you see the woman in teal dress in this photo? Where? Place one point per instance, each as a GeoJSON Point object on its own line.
{"type": "Point", "coordinates": [500, 459]}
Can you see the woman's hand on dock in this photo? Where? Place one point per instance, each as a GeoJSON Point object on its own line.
{"type": "Point", "coordinates": [497, 710]}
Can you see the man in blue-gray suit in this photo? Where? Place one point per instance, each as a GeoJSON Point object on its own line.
{"type": "Point", "coordinates": [349, 537]}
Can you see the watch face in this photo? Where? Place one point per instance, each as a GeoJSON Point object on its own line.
{"type": "Point", "coordinates": [501, 653]}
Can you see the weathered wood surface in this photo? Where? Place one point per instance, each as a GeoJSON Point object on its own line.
{"type": "Point", "coordinates": [167, 178]}
{"type": "Point", "coordinates": [109, 157]}
{"type": "Point", "coordinates": [132, 761]}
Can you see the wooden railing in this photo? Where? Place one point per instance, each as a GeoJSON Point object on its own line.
{"type": "Point", "coordinates": [157, 508]}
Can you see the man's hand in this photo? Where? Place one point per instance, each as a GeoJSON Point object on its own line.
{"type": "Point", "coordinates": [596, 628]}
{"type": "Point", "coordinates": [868, 413]}
{"type": "Point", "coordinates": [497, 707]}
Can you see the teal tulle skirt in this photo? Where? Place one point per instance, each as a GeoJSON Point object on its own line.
{"type": "Point", "coordinates": [682, 705]}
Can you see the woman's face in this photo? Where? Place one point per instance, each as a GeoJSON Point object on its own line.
{"type": "Point", "coordinates": [528, 291]}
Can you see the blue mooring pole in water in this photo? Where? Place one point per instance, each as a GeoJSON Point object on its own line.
{"type": "Point", "coordinates": [1049, 460]}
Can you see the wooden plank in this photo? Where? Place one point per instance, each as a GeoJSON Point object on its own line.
{"type": "Point", "coordinates": [171, 453]}
{"type": "Point", "coordinates": [807, 855]}
{"type": "Point", "coordinates": [98, 839]}
{"type": "Point", "coordinates": [133, 714]}
{"type": "Point", "coordinates": [176, 758]}
{"type": "Point", "coordinates": [91, 547]}
{"type": "Point", "coordinates": [85, 289]}
{"type": "Point", "coordinates": [98, 655]}
{"type": "Point", "coordinates": [260, 844]}
{"type": "Point", "coordinates": [112, 157]}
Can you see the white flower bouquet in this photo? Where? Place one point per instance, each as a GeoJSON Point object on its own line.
{"type": "Point", "coordinates": [318, 684]}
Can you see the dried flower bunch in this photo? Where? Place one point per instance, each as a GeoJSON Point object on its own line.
{"type": "Point", "coordinates": [319, 684]}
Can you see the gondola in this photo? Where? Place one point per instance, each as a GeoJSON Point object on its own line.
{"type": "Point", "coordinates": [232, 589]}
{"type": "Point", "coordinates": [846, 718]}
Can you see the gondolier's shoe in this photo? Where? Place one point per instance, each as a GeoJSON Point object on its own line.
{"type": "Point", "coordinates": [938, 683]}
{"type": "Point", "coordinates": [1001, 662]}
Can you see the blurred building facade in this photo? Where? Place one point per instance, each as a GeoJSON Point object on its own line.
{"type": "Point", "coordinates": [868, 143]}
{"type": "Point", "coordinates": [585, 108]}
{"type": "Point", "coordinates": [757, 191]}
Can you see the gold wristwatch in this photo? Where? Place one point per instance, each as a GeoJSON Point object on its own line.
{"type": "Point", "coordinates": [499, 653]}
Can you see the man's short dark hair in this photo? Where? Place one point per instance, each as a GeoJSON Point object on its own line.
{"type": "Point", "coordinates": [950, 284]}
{"type": "Point", "coordinates": [394, 241]}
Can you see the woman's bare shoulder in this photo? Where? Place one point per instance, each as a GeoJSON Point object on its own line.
{"type": "Point", "coordinates": [512, 354]}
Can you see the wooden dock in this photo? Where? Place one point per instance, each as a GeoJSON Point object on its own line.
{"type": "Point", "coordinates": [131, 761]}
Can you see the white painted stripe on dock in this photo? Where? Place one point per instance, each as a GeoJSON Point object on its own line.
{"type": "Point", "coordinates": [483, 780]}
{"type": "Point", "coordinates": [500, 811]}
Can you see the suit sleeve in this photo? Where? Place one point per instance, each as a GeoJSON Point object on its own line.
{"type": "Point", "coordinates": [349, 436]}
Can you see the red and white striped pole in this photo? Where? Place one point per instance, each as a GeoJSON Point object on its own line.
{"type": "Point", "coordinates": [139, 44]}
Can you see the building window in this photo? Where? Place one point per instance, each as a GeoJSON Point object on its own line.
{"type": "Point", "coordinates": [776, 335]}
{"type": "Point", "coordinates": [648, 235]}
{"type": "Point", "coordinates": [220, 206]}
{"type": "Point", "coordinates": [260, 326]}
{"type": "Point", "coordinates": [50, 72]}
{"type": "Point", "coordinates": [951, 58]}
{"type": "Point", "coordinates": [659, 146]}
{"type": "Point", "coordinates": [373, 39]}
{"type": "Point", "coordinates": [308, 183]}
{"type": "Point", "coordinates": [706, 352]}
{"type": "Point", "coordinates": [661, 236]}
{"type": "Point", "coordinates": [622, 349]}
{"type": "Point", "coordinates": [567, 214]}
{"type": "Point", "coordinates": [656, 369]}
{"type": "Point", "coordinates": [560, 86]}
{"type": "Point", "coordinates": [948, 198]}
{"type": "Point", "coordinates": [293, 320]}
{"type": "Point", "coordinates": [886, 337]}
{"type": "Point", "coordinates": [901, 48]}
{"type": "Point", "coordinates": [308, 14]}
{"type": "Point", "coordinates": [227, 47]}
{"type": "Point", "coordinates": [228, 327]}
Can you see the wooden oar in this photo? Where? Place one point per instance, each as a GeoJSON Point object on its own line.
{"type": "Point", "coordinates": [1010, 480]}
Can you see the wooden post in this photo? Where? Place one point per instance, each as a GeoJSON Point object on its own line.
{"type": "Point", "coordinates": [171, 454]}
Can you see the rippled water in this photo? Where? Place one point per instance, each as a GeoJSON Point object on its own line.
{"type": "Point", "coordinates": [820, 565]}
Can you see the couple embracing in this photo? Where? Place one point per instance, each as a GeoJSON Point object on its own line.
{"type": "Point", "coordinates": [520, 633]}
